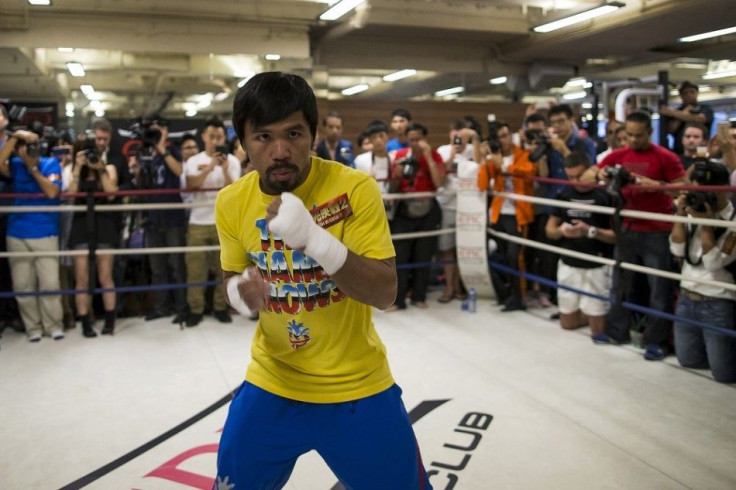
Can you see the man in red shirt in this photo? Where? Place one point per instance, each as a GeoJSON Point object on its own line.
{"type": "Point", "coordinates": [415, 169]}
{"type": "Point", "coordinates": [642, 241]}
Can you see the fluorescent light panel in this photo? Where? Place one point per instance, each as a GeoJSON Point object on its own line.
{"type": "Point", "coordinates": [498, 80]}
{"type": "Point", "coordinates": [87, 90]}
{"type": "Point", "coordinates": [76, 69]}
{"type": "Point", "coordinates": [65, 50]}
{"type": "Point", "coordinates": [273, 57]}
{"type": "Point", "coordinates": [579, 17]}
{"type": "Point", "coordinates": [40, 2]}
{"type": "Point", "coordinates": [339, 9]}
{"type": "Point", "coordinates": [356, 89]}
{"type": "Point", "coordinates": [575, 95]}
{"type": "Point", "coordinates": [708, 35]}
{"type": "Point", "coordinates": [719, 74]}
{"type": "Point", "coordinates": [449, 91]}
{"type": "Point", "coordinates": [398, 75]}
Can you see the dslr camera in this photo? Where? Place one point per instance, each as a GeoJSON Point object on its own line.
{"type": "Point", "coordinates": [706, 172]}
{"type": "Point", "coordinates": [541, 139]}
{"type": "Point", "coordinates": [493, 142]}
{"type": "Point", "coordinates": [411, 165]}
{"type": "Point", "coordinates": [618, 178]}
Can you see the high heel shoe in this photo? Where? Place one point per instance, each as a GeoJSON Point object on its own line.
{"type": "Point", "coordinates": [109, 327]}
{"type": "Point", "coordinates": [87, 329]}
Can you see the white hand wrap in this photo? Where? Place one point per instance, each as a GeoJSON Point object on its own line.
{"type": "Point", "coordinates": [297, 228]}
{"type": "Point", "coordinates": [233, 295]}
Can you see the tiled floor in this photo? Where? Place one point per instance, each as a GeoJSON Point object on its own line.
{"type": "Point", "coordinates": [567, 414]}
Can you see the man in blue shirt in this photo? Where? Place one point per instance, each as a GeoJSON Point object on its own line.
{"type": "Point", "coordinates": [34, 232]}
{"type": "Point", "coordinates": [400, 122]}
{"type": "Point", "coordinates": [333, 147]}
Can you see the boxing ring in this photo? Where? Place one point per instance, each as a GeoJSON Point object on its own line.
{"type": "Point", "coordinates": [498, 400]}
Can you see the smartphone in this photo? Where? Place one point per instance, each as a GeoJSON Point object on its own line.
{"type": "Point", "coordinates": [223, 149]}
{"type": "Point", "coordinates": [58, 151]}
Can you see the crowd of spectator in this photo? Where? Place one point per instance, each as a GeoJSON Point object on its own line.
{"type": "Point", "coordinates": [398, 155]}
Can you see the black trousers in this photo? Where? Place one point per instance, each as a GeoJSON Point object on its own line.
{"type": "Point", "coordinates": [415, 250]}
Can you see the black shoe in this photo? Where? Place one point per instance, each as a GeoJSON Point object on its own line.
{"type": "Point", "coordinates": [179, 318]}
{"type": "Point", "coordinates": [193, 319]}
{"type": "Point", "coordinates": [513, 306]}
{"type": "Point", "coordinates": [223, 316]}
{"type": "Point", "coordinates": [16, 324]}
{"type": "Point", "coordinates": [109, 327]}
{"type": "Point", "coordinates": [87, 329]}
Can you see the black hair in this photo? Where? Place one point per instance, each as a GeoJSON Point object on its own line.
{"type": "Point", "coordinates": [401, 113]}
{"type": "Point", "coordinates": [270, 97]}
{"type": "Point", "coordinates": [376, 127]}
{"type": "Point", "coordinates": [4, 112]}
{"type": "Point", "coordinates": [330, 114]}
{"type": "Point", "coordinates": [458, 124]}
{"type": "Point", "coordinates": [187, 137]}
{"type": "Point", "coordinates": [641, 117]}
{"type": "Point", "coordinates": [576, 159]}
{"type": "Point", "coordinates": [565, 109]}
{"type": "Point", "coordinates": [536, 117]}
{"type": "Point", "coordinates": [418, 127]}
{"type": "Point", "coordinates": [214, 122]}
{"type": "Point", "coordinates": [473, 123]}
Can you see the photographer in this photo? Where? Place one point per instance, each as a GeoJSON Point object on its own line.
{"type": "Point", "coordinates": [100, 231]}
{"type": "Point", "coordinates": [34, 232]}
{"type": "Point", "coordinates": [641, 241]}
{"type": "Point", "coordinates": [161, 168]}
{"type": "Point", "coordinates": [213, 168]}
{"type": "Point", "coordinates": [707, 251]}
{"type": "Point", "coordinates": [506, 168]}
{"type": "Point", "coordinates": [415, 169]}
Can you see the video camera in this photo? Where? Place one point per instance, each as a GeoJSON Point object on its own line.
{"type": "Point", "coordinates": [706, 172]}
{"type": "Point", "coordinates": [618, 178]}
{"type": "Point", "coordinates": [150, 137]}
{"type": "Point", "coordinates": [493, 142]}
{"type": "Point", "coordinates": [541, 139]}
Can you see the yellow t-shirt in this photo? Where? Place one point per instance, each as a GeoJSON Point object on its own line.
{"type": "Point", "coordinates": [312, 342]}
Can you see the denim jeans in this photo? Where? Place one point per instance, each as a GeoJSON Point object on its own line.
{"type": "Point", "coordinates": [650, 249]}
{"type": "Point", "coordinates": [701, 348]}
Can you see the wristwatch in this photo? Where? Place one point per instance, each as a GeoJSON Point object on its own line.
{"type": "Point", "coordinates": [592, 232]}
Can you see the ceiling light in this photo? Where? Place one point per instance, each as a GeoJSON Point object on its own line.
{"type": "Point", "coordinates": [587, 105]}
{"type": "Point", "coordinates": [191, 113]}
{"type": "Point", "coordinates": [69, 113]}
{"type": "Point", "coordinates": [273, 57]}
{"type": "Point", "coordinates": [498, 80]}
{"type": "Point", "coordinates": [576, 82]}
{"type": "Point", "coordinates": [339, 9]}
{"type": "Point", "coordinates": [449, 91]}
{"type": "Point", "coordinates": [95, 104]}
{"type": "Point", "coordinates": [40, 2]}
{"type": "Point", "coordinates": [604, 9]}
{"type": "Point", "coordinates": [69, 106]}
{"type": "Point", "coordinates": [575, 95]}
{"type": "Point", "coordinates": [708, 35]}
{"type": "Point", "coordinates": [719, 74]}
{"type": "Point", "coordinates": [398, 75]}
{"type": "Point", "coordinates": [220, 96]}
{"type": "Point", "coordinates": [65, 50]}
{"type": "Point", "coordinates": [100, 112]}
{"type": "Point", "coordinates": [356, 89]}
{"type": "Point", "coordinates": [87, 90]}
{"type": "Point", "coordinates": [76, 69]}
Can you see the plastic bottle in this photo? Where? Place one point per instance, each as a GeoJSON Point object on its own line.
{"type": "Point", "coordinates": [472, 300]}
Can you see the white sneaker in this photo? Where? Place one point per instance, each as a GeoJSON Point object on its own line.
{"type": "Point", "coordinates": [57, 334]}
{"type": "Point", "coordinates": [34, 337]}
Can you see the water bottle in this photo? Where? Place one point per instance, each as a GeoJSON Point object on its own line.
{"type": "Point", "coordinates": [471, 300]}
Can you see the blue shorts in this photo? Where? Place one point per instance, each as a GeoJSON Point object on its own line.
{"type": "Point", "coordinates": [367, 443]}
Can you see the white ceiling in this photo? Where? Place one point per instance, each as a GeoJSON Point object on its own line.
{"type": "Point", "coordinates": [145, 55]}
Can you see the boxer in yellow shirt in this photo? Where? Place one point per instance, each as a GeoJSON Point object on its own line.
{"type": "Point", "coordinates": [305, 242]}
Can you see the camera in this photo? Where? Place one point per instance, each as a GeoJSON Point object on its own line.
{"type": "Point", "coordinates": [457, 140]}
{"type": "Point", "coordinates": [493, 142]}
{"type": "Point", "coordinates": [542, 141]}
{"type": "Point", "coordinates": [411, 165]}
{"type": "Point", "coordinates": [150, 137]}
{"type": "Point", "coordinates": [706, 172]}
{"type": "Point", "coordinates": [59, 151]}
{"type": "Point", "coordinates": [618, 177]}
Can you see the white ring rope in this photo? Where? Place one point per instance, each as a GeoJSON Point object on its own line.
{"type": "Point", "coordinates": [624, 212]}
{"type": "Point", "coordinates": [606, 261]}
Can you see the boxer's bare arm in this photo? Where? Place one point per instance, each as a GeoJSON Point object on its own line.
{"type": "Point", "coordinates": [369, 281]}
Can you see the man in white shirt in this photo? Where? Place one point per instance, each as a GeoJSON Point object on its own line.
{"type": "Point", "coordinates": [214, 168]}
{"type": "Point", "coordinates": [376, 161]}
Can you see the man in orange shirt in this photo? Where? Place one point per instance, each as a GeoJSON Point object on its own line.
{"type": "Point", "coordinates": [508, 169]}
